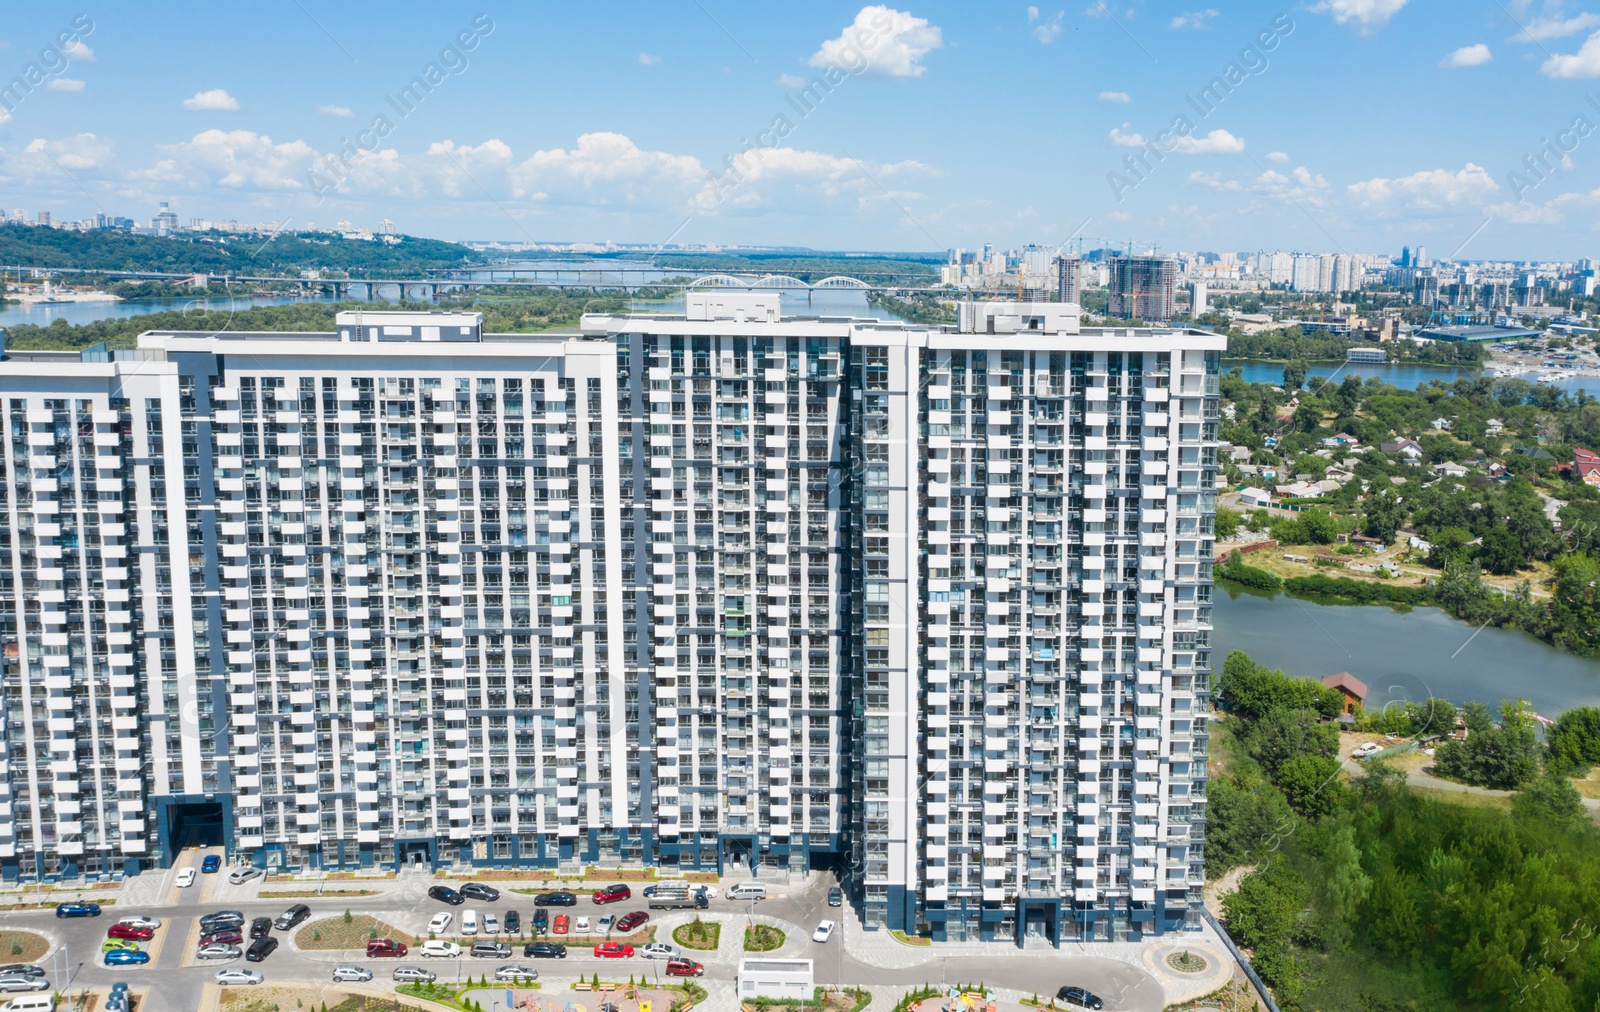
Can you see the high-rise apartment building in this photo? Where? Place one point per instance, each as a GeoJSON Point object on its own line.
{"type": "Point", "coordinates": [1068, 284]}
{"type": "Point", "coordinates": [705, 590]}
{"type": "Point", "coordinates": [1143, 288]}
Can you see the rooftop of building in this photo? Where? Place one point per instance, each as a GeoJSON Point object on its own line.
{"type": "Point", "coordinates": [1478, 332]}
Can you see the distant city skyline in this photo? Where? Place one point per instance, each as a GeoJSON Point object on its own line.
{"type": "Point", "coordinates": [832, 125]}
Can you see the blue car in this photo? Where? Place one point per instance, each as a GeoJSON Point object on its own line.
{"type": "Point", "coordinates": [126, 957]}
{"type": "Point", "coordinates": [78, 910]}
{"type": "Point", "coordinates": [211, 864]}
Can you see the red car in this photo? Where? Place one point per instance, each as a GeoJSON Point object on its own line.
{"type": "Point", "coordinates": [130, 931]}
{"type": "Point", "coordinates": [612, 893]}
{"type": "Point", "coordinates": [631, 922]}
{"type": "Point", "coordinates": [684, 968]}
{"type": "Point", "coordinates": [222, 938]}
{"type": "Point", "coordinates": [386, 947]}
{"type": "Point", "coordinates": [613, 950]}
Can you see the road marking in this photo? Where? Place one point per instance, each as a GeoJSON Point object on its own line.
{"type": "Point", "coordinates": [157, 943]}
{"type": "Point", "coordinates": [191, 943]}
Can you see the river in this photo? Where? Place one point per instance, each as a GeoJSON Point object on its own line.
{"type": "Point", "coordinates": [79, 313]}
{"type": "Point", "coordinates": [1405, 375]}
{"type": "Point", "coordinates": [1402, 656]}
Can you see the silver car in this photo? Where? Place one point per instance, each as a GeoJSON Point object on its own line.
{"type": "Point", "coordinates": [22, 982]}
{"type": "Point", "coordinates": [226, 977]}
{"type": "Point", "coordinates": [351, 973]}
{"type": "Point", "coordinates": [219, 951]}
{"type": "Point", "coordinates": [415, 973]}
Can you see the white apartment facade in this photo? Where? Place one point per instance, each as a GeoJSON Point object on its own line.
{"type": "Point", "coordinates": [700, 590]}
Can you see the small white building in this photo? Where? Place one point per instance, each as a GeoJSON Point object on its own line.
{"type": "Point", "coordinates": [1255, 498]}
{"type": "Point", "coordinates": [776, 978]}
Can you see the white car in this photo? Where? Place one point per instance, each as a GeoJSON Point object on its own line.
{"type": "Point", "coordinates": [491, 924]}
{"type": "Point", "coordinates": [440, 947]}
{"type": "Point", "coordinates": [141, 922]}
{"type": "Point", "coordinates": [1365, 749]}
{"type": "Point", "coordinates": [185, 877]}
{"type": "Point", "coordinates": [823, 933]}
{"type": "Point", "coordinates": [659, 950]}
{"type": "Point", "coordinates": [581, 927]}
{"type": "Point", "coordinates": [710, 891]}
{"type": "Point", "coordinates": [226, 977]}
{"type": "Point", "coordinates": [440, 922]}
{"type": "Point", "coordinates": [349, 972]}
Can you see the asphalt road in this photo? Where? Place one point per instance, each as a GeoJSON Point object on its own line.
{"type": "Point", "coordinates": [174, 979]}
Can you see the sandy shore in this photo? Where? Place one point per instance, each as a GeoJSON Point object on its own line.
{"type": "Point", "coordinates": [33, 298]}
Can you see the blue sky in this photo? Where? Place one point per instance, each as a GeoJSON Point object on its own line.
{"type": "Point", "coordinates": [1354, 125]}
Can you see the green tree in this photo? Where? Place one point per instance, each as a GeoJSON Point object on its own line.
{"type": "Point", "coordinates": [1382, 514]}
{"type": "Point", "coordinates": [1319, 526]}
{"type": "Point", "coordinates": [1294, 375]}
{"type": "Point", "coordinates": [1311, 783]}
{"type": "Point", "coordinates": [1501, 552]}
{"type": "Point", "coordinates": [1284, 734]}
{"type": "Point", "coordinates": [1431, 716]}
{"type": "Point", "coordinates": [1550, 799]}
{"type": "Point", "coordinates": [1573, 741]}
{"type": "Point", "coordinates": [1227, 524]}
{"type": "Point", "coordinates": [1344, 883]}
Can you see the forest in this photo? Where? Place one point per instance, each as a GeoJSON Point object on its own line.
{"type": "Point", "coordinates": [1362, 894]}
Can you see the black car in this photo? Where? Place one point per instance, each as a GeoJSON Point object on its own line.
{"type": "Point", "coordinates": [479, 891]}
{"type": "Point", "coordinates": [222, 920]}
{"type": "Point", "coordinates": [513, 922]}
{"type": "Point", "coordinates": [541, 921]}
{"type": "Point", "coordinates": [1079, 997]}
{"type": "Point", "coordinates": [556, 899]}
{"type": "Point", "coordinates": [261, 927]}
{"type": "Point", "coordinates": [260, 949]}
{"type": "Point", "coordinates": [544, 950]}
{"type": "Point", "coordinates": [21, 970]}
{"type": "Point", "coordinates": [291, 917]}
{"type": "Point", "coordinates": [445, 894]}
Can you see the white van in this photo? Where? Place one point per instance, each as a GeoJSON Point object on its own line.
{"type": "Point", "coordinates": [30, 1003]}
{"type": "Point", "coordinates": [748, 891]}
{"type": "Point", "coordinates": [469, 922]}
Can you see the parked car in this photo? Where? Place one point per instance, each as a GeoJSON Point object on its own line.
{"type": "Point", "coordinates": [445, 894]}
{"type": "Point", "coordinates": [544, 950]}
{"type": "Point", "coordinates": [13, 982]}
{"type": "Point", "coordinates": [561, 925]}
{"type": "Point", "coordinates": [440, 922]}
{"type": "Point", "coordinates": [229, 937]}
{"type": "Point", "coordinates": [560, 898]}
{"type": "Point", "coordinates": [1365, 749]}
{"type": "Point", "coordinates": [261, 927]}
{"type": "Point", "coordinates": [386, 947]}
{"type": "Point", "coordinates": [126, 957]}
{"type": "Point", "coordinates": [490, 950]}
{"type": "Point", "coordinates": [633, 921]}
{"type": "Point", "coordinates": [260, 949]}
{"type": "Point", "coordinates": [491, 923]}
{"type": "Point", "coordinates": [513, 922]}
{"type": "Point", "coordinates": [78, 910]}
{"type": "Point", "coordinates": [603, 925]}
{"type": "Point", "coordinates": [238, 976]}
{"type": "Point", "coordinates": [823, 933]}
{"type": "Point", "coordinates": [415, 973]}
{"type": "Point", "coordinates": [479, 891]}
{"type": "Point", "coordinates": [349, 973]}
{"type": "Point", "coordinates": [211, 865]}
{"type": "Point", "coordinates": [295, 915]}
{"type": "Point", "coordinates": [581, 926]}
{"type": "Point", "coordinates": [1079, 997]}
{"type": "Point", "coordinates": [684, 968]}
{"type": "Point", "coordinates": [185, 877]}
{"type": "Point", "coordinates": [217, 920]}
{"type": "Point", "coordinates": [541, 921]}
{"type": "Point", "coordinates": [516, 972]}
{"type": "Point", "coordinates": [835, 897]}
{"type": "Point", "coordinates": [113, 944]}
{"type": "Point", "coordinates": [612, 893]}
{"type": "Point", "coordinates": [613, 950]}
{"type": "Point", "coordinates": [137, 920]}
{"type": "Point", "coordinates": [439, 948]}
{"type": "Point", "coordinates": [220, 950]}
{"type": "Point", "coordinates": [659, 950]}
{"type": "Point", "coordinates": [239, 876]}
{"type": "Point", "coordinates": [129, 931]}
{"type": "Point", "coordinates": [22, 969]}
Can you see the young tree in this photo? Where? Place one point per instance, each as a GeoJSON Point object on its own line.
{"type": "Point", "coordinates": [1551, 799]}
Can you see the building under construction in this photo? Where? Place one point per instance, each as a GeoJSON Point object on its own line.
{"type": "Point", "coordinates": [1067, 268]}
{"type": "Point", "coordinates": [1142, 288]}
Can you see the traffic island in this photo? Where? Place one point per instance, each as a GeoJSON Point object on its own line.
{"type": "Point", "coordinates": [351, 931]}
{"type": "Point", "coordinates": [698, 934]}
{"type": "Point", "coordinates": [22, 946]}
{"type": "Point", "coordinates": [762, 938]}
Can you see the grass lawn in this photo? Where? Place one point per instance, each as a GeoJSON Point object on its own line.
{"type": "Point", "coordinates": [698, 934]}
{"type": "Point", "coordinates": [762, 938]}
{"type": "Point", "coordinates": [335, 933]}
{"type": "Point", "coordinates": [1464, 798]}
{"type": "Point", "coordinates": [22, 946]}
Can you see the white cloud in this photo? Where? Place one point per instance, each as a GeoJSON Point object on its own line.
{"type": "Point", "coordinates": [1126, 140]}
{"type": "Point", "coordinates": [791, 81]}
{"type": "Point", "coordinates": [341, 111]}
{"type": "Point", "coordinates": [215, 100]}
{"type": "Point", "coordinates": [1427, 190]}
{"type": "Point", "coordinates": [81, 152]}
{"type": "Point", "coordinates": [1281, 157]}
{"type": "Point", "coordinates": [1554, 27]}
{"type": "Point", "coordinates": [78, 50]}
{"type": "Point", "coordinates": [1214, 181]}
{"type": "Point", "coordinates": [881, 41]}
{"type": "Point", "coordinates": [1118, 216]}
{"type": "Point", "coordinates": [648, 60]}
{"type": "Point", "coordinates": [1302, 186]}
{"type": "Point", "coordinates": [1558, 210]}
{"type": "Point", "coordinates": [237, 159]}
{"type": "Point", "coordinates": [1115, 96]}
{"type": "Point", "coordinates": [1217, 142]}
{"type": "Point", "coordinates": [1103, 9]}
{"type": "Point", "coordinates": [765, 179]}
{"type": "Point", "coordinates": [1046, 31]}
{"type": "Point", "coordinates": [1584, 63]}
{"type": "Point", "coordinates": [1468, 56]}
{"type": "Point", "coordinates": [64, 84]}
{"type": "Point", "coordinates": [1194, 19]}
{"type": "Point", "coordinates": [1366, 15]}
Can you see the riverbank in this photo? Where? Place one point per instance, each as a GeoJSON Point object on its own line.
{"type": "Point", "coordinates": [60, 298]}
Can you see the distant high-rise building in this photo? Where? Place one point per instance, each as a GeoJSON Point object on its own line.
{"type": "Point", "coordinates": [165, 222]}
{"type": "Point", "coordinates": [1527, 292]}
{"type": "Point", "coordinates": [44, 217]}
{"type": "Point", "coordinates": [1405, 256]}
{"type": "Point", "coordinates": [1197, 300]}
{"type": "Point", "coordinates": [386, 227]}
{"type": "Point", "coordinates": [1421, 258]}
{"type": "Point", "coordinates": [1425, 291]}
{"type": "Point", "coordinates": [1067, 284]}
{"type": "Point", "coordinates": [1143, 287]}
{"type": "Point", "coordinates": [1307, 276]}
